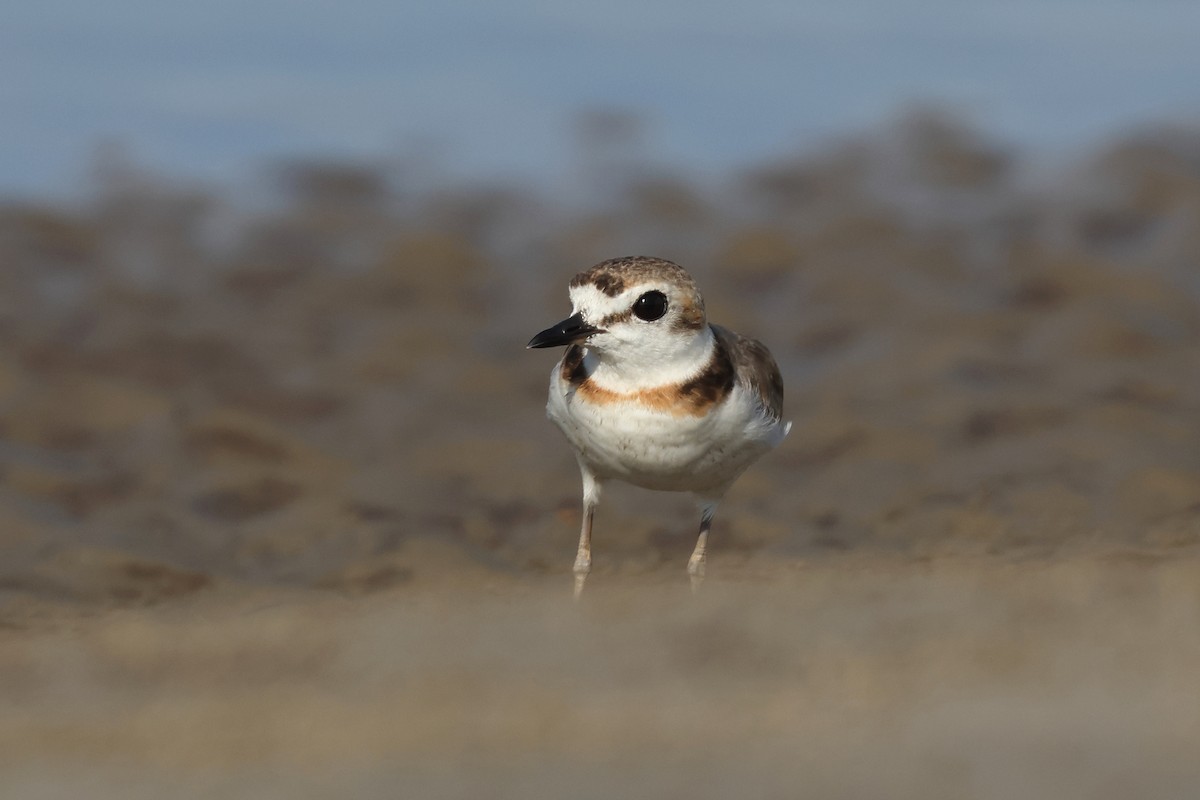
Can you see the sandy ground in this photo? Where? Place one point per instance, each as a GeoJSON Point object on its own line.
{"type": "Point", "coordinates": [849, 678]}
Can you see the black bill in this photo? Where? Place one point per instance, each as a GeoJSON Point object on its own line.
{"type": "Point", "coordinates": [571, 330]}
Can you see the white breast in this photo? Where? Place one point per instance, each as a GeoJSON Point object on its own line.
{"type": "Point", "coordinates": [658, 450]}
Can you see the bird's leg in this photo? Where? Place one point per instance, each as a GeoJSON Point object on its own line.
{"type": "Point", "coordinates": [583, 557]}
{"type": "Point", "coordinates": [696, 562]}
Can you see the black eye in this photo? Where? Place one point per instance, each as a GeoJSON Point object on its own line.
{"type": "Point", "coordinates": [650, 306]}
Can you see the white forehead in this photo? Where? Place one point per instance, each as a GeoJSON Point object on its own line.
{"type": "Point", "coordinates": [595, 304]}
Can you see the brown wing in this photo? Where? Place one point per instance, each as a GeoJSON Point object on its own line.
{"type": "Point", "coordinates": [756, 369]}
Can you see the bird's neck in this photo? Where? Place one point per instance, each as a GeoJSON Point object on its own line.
{"type": "Point", "coordinates": [635, 369]}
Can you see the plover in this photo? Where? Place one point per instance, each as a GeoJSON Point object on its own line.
{"type": "Point", "coordinates": [651, 394]}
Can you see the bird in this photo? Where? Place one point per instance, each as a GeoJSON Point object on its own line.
{"type": "Point", "coordinates": [650, 393]}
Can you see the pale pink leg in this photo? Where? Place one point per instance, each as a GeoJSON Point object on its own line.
{"type": "Point", "coordinates": [583, 556]}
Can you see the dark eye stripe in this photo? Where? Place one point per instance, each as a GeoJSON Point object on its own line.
{"type": "Point", "coordinates": [613, 319]}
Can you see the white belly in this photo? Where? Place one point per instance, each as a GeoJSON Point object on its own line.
{"type": "Point", "coordinates": [658, 450]}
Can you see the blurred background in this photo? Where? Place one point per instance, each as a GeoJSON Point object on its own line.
{"type": "Point", "coordinates": [267, 271]}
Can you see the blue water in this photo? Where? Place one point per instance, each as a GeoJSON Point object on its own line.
{"type": "Point", "coordinates": [488, 89]}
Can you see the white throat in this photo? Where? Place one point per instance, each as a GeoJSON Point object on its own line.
{"type": "Point", "coordinates": [628, 367]}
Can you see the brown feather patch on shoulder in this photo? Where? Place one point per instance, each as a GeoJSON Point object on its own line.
{"type": "Point", "coordinates": [756, 369]}
{"type": "Point", "coordinates": [714, 383]}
